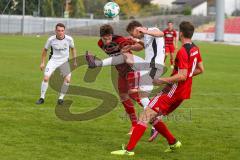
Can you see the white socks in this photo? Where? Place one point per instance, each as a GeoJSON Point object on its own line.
{"type": "Point", "coordinates": [112, 61]}
{"type": "Point", "coordinates": [145, 102]}
{"type": "Point", "coordinates": [64, 90]}
{"type": "Point", "coordinates": [44, 88]}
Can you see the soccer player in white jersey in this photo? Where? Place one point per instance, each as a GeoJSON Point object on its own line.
{"type": "Point", "coordinates": [60, 45]}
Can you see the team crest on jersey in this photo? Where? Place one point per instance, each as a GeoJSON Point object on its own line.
{"type": "Point", "coordinates": [111, 48]}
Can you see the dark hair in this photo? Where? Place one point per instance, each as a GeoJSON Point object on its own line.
{"type": "Point", "coordinates": [132, 25]}
{"type": "Point", "coordinates": [187, 29]}
{"type": "Point", "coordinates": [170, 21]}
{"type": "Point", "coordinates": [60, 25]}
{"type": "Point", "coordinates": [105, 30]}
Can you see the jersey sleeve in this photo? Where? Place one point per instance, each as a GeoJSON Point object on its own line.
{"type": "Point", "coordinates": [182, 59]}
{"type": "Point", "coordinates": [100, 43]}
{"type": "Point", "coordinates": [174, 34]}
{"type": "Point", "coordinates": [120, 40]}
{"type": "Point", "coordinates": [71, 43]}
{"type": "Point", "coordinates": [199, 57]}
{"type": "Point", "coordinates": [154, 28]}
{"type": "Point", "coordinates": [48, 44]}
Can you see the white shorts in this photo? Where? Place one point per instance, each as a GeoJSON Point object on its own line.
{"type": "Point", "coordinates": [53, 65]}
{"type": "Point", "coordinates": [147, 74]}
{"type": "Point", "coordinates": [147, 77]}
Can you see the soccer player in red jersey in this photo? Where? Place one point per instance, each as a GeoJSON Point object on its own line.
{"type": "Point", "coordinates": [127, 78]}
{"type": "Point", "coordinates": [188, 63]}
{"type": "Point", "coordinates": [170, 37]}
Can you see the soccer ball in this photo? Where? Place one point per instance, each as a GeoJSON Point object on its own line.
{"type": "Point", "coordinates": [111, 9]}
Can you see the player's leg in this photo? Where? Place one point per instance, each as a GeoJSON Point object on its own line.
{"type": "Point", "coordinates": [167, 51]}
{"type": "Point", "coordinates": [155, 73]}
{"type": "Point", "coordinates": [126, 101]}
{"type": "Point", "coordinates": [145, 87]}
{"type": "Point", "coordinates": [44, 86]}
{"type": "Point", "coordinates": [172, 59]}
{"type": "Point", "coordinates": [166, 105]}
{"type": "Point", "coordinates": [137, 63]}
{"type": "Point", "coordinates": [110, 61]}
{"type": "Point", "coordinates": [66, 73]}
{"type": "Point", "coordinates": [172, 49]}
{"type": "Point", "coordinates": [64, 89]}
{"type": "Point", "coordinates": [147, 115]}
{"type": "Point", "coordinates": [143, 100]}
{"type": "Point", "coordinates": [133, 86]}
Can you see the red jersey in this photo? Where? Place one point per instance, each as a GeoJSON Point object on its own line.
{"type": "Point", "coordinates": [113, 49]}
{"type": "Point", "coordinates": [169, 36]}
{"type": "Point", "coordinates": [187, 58]}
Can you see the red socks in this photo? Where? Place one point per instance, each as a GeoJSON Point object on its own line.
{"type": "Point", "coordinates": [135, 97]}
{"type": "Point", "coordinates": [171, 61]}
{"type": "Point", "coordinates": [163, 130]}
{"type": "Point", "coordinates": [129, 108]}
{"type": "Point", "coordinates": [137, 133]}
{"type": "Point", "coordinates": [140, 128]}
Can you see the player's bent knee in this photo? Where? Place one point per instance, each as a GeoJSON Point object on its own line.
{"type": "Point", "coordinates": [124, 97]}
{"type": "Point", "coordinates": [148, 115]}
{"type": "Point", "coordinates": [67, 79]}
{"type": "Point", "coordinates": [132, 91]}
{"type": "Point", "coordinates": [46, 79]}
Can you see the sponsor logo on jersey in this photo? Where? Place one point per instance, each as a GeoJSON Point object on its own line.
{"type": "Point", "coordinates": [169, 35]}
{"type": "Point", "coordinates": [194, 53]}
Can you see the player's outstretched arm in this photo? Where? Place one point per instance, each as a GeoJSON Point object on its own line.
{"type": "Point", "coordinates": [181, 76]}
{"type": "Point", "coordinates": [135, 47]}
{"type": "Point", "coordinates": [176, 42]}
{"type": "Point", "coordinates": [43, 59]}
{"type": "Point", "coordinates": [74, 56]}
{"type": "Point", "coordinates": [199, 69]}
{"type": "Point", "coordinates": [154, 32]}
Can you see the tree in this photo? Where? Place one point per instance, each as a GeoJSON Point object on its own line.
{"type": "Point", "coordinates": [30, 6]}
{"type": "Point", "coordinates": [128, 7]}
{"type": "Point", "coordinates": [58, 7]}
{"type": "Point", "coordinates": [187, 10]}
{"type": "Point", "coordinates": [143, 2]}
{"type": "Point", "coordinates": [95, 7]}
{"type": "Point", "coordinates": [77, 8]}
{"type": "Point", "coordinates": [47, 8]}
{"type": "Point", "coordinates": [3, 4]}
{"type": "Point", "coordinates": [15, 6]}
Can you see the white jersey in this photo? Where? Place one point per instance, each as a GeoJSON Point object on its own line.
{"type": "Point", "coordinates": [59, 48]}
{"type": "Point", "coordinates": [154, 49]}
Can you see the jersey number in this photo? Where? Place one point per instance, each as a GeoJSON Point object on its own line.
{"type": "Point", "coordinates": [193, 66]}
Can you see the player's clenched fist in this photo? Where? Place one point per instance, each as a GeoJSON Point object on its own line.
{"type": "Point", "coordinates": [42, 65]}
{"type": "Point", "coordinates": [126, 48]}
{"type": "Point", "coordinates": [142, 29]}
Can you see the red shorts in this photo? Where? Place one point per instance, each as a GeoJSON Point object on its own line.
{"type": "Point", "coordinates": [164, 104]}
{"type": "Point", "coordinates": [130, 81]}
{"type": "Point", "coordinates": [169, 49]}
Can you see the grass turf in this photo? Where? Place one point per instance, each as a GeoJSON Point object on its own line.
{"type": "Point", "coordinates": [207, 125]}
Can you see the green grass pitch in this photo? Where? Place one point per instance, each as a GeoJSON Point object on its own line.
{"type": "Point", "coordinates": [207, 125]}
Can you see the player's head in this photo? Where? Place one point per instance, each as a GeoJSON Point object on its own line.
{"type": "Point", "coordinates": [131, 29]}
{"type": "Point", "coordinates": [186, 30]}
{"type": "Point", "coordinates": [170, 25]}
{"type": "Point", "coordinates": [106, 32]}
{"type": "Point", "coordinates": [60, 30]}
